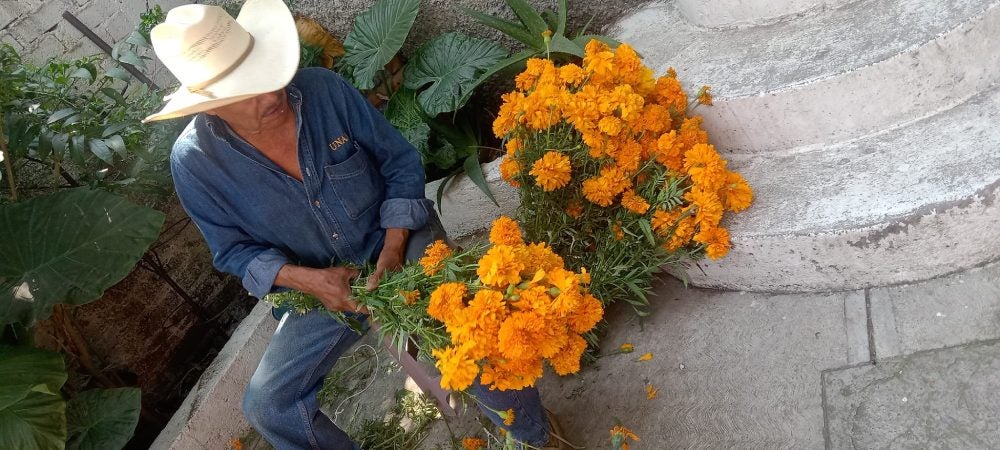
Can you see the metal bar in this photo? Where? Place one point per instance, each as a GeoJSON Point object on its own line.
{"type": "Point", "coordinates": [106, 48]}
{"type": "Point", "coordinates": [426, 383]}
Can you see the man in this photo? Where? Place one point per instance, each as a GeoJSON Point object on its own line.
{"type": "Point", "coordinates": [291, 175]}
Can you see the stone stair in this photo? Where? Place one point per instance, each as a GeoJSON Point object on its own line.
{"type": "Point", "coordinates": [866, 129]}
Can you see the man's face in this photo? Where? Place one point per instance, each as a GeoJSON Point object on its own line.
{"type": "Point", "coordinates": [255, 112]}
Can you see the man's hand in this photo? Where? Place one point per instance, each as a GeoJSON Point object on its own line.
{"type": "Point", "coordinates": [391, 257]}
{"type": "Point", "coordinates": [332, 285]}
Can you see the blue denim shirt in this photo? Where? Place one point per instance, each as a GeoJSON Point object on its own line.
{"type": "Point", "coordinates": [360, 176]}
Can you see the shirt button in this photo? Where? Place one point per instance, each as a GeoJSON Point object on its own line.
{"type": "Point", "coordinates": [316, 203]}
{"type": "Point", "coordinates": [335, 236]}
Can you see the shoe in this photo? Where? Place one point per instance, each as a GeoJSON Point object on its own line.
{"type": "Point", "coordinates": [557, 441]}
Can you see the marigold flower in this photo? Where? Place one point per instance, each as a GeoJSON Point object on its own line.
{"type": "Point", "coordinates": [620, 436]}
{"type": "Point", "coordinates": [669, 151]}
{"type": "Point", "coordinates": [513, 146]}
{"type": "Point", "coordinates": [591, 312]}
{"type": "Point", "coordinates": [552, 171]}
{"type": "Point", "coordinates": [446, 300]}
{"type": "Point", "coordinates": [471, 443]}
{"type": "Point", "coordinates": [617, 230]}
{"type": "Point", "coordinates": [434, 256]}
{"type": "Point", "coordinates": [236, 444]}
{"type": "Point", "coordinates": [571, 74]}
{"type": "Point", "coordinates": [651, 392]}
{"type": "Point", "coordinates": [610, 125]}
{"type": "Point", "coordinates": [664, 221]}
{"type": "Point", "coordinates": [669, 94]}
{"type": "Point", "coordinates": [633, 202]}
{"type": "Point", "coordinates": [508, 417]}
{"type": "Point", "coordinates": [511, 374]}
{"type": "Point", "coordinates": [510, 168]}
{"type": "Point", "coordinates": [716, 240]}
{"type": "Point", "coordinates": [500, 267]}
{"type": "Point", "coordinates": [539, 256]}
{"type": "Point", "coordinates": [736, 194]}
{"type": "Point", "coordinates": [708, 208]}
{"type": "Point", "coordinates": [706, 168]}
{"type": "Point", "coordinates": [410, 297]}
{"type": "Point", "coordinates": [646, 357]}
{"type": "Point", "coordinates": [521, 334]}
{"type": "Point", "coordinates": [704, 96]}
{"type": "Point", "coordinates": [574, 209]}
{"type": "Point", "coordinates": [458, 370]}
{"type": "Point", "coordinates": [691, 134]}
{"type": "Point", "coordinates": [567, 360]}
{"type": "Point", "coordinates": [626, 348]}
{"type": "Point", "coordinates": [505, 231]}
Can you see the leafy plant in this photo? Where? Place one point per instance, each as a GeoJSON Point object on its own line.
{"type": "Point", "coordinates": [439, 79]}
{"type": "Point", "coordinates": [542, 33]}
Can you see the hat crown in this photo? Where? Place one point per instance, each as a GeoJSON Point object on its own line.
{"type": "Point", "coordinates": [199, 43]}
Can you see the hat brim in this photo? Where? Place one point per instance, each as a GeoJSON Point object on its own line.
{"type": "Point", "coordinates": [269, 66]}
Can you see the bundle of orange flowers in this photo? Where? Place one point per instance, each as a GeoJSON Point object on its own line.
{"type": "Point", "coordinates": [522, 308]}
{"type": "Point", "coordinates": [498, 313]}
{"type": "Point", "coordinates": [612, 170]}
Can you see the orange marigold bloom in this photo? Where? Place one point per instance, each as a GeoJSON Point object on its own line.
{"type": "Point", "coordinates": [736, 194]}
{"type": "Point", "coordinates": [629, 156]}
{"type": "Point", "coordinates": [470, 443]}
{"type": "Point", "coordinates": [664, 221]}
{"type": "Point", "coordinates": [646, 357]}
{"type": "Point", "coordinates": [567, 360]}
{"type": "Point", "coordinates": [669, 151]}
{"type": "Point", "coordinates": [682, 234]}
{"type": "Point", "coordinates": [603, 189]}
{"type": "Point", "coordinates": [626, 348]}
{"type": "Point", "coordinates": [574, 209]}
{"type": "Point", "coordinates": [708, 211]}
{"type": "Point", "coordinates": [669, 93]}
{"type": "Point", "coordinates": [507, 116]}
{"type": "Point", "coordinates": [655, 118]}
{"type": "Point", "coordinates": [588, 315]}
{"type": "Point", "coordinates": [511, 374]}
{"type": "Point", "coordinates": [410, 297]}
{"type": "Point", "coordinates": [505, 231]}
{"type": "Point", "coordinates": [571, 74]}
{"type": "Point", "coordinates": [610, 125]}
{"type": "Point", "coordinates": [617, 230]}
{"type": "Point", "coordinates": [500, 267]}
{"type": "Point", "coordinates": [552, 171]}
{"type": "Point", "coordinates": [446, 300]}
{"type": "Point", "coordinates": [705, 166]}
{"type": "Point", "coordinates": [716, 240]}
{"type": "Point", "coordinates": [458, 370]}
{"type": "Point", "coordinates": [620, 436]}
{"type": "Point", "coordinates": [691, 133]}
{"type": "Point", "coordinates": [704, 96]}
{"type": "Point", "coordinates": [635, 203]}
{"type": "Point", "coordinates": [539, 256]}
{"type": "Point", "coordinates": [521, 334]}
{"type": "Point", "coordinates": [513, 146]}
{"type": "Point", "coordinates": [599, 61]}
{"type": "Point", "coordinates": [651, 392]}
{"type": "Point", "coordinates": [236, 444]}
{"type": "Point", "coordinates": [508, 417]}
{"type": "Point", "coordinates": [510, 168]}
{"type": "Point", "coordinates": [434, 255]}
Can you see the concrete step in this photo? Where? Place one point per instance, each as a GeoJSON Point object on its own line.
{"type": "Point", "coordinates": [899, 206]}
{"type": "Point", "coordinates": [827, 77]}
{"type": "Point", "coordinates": [734, 13]}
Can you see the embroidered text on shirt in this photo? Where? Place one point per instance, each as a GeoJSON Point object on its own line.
{"type": "Point", "coordinates": [337, 143]}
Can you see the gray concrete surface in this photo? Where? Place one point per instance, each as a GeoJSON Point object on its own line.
{"type": "Point", "coordinates": [947, 398]}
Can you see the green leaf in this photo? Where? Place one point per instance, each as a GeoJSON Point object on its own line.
{"type": "Point", "coordinates": [44, 148]}
{"type": "Point", "coordinates": [101, 419]}
{"type": "Point", "coordinates": [403, 111]}
{"type": "Point", "coordinates": [561, 18]}
{"type": "Point", "coordinates": [76, 149]}
{"type": "Point", "coordinates": [137, 39]}
{"type": "Point", "coordinates": [560, 44]}
{"type": "Point", "coordinates": [444, 156]}
{"type": "Point", "coordinates": [440, 191]}
{"type": "Point", "coordinates": [114, 95]}
{"type": "Point", "coordinates": [117, 73]}
{"type": "Point", "coordinates": [68, 247]}
{"type": "Point", "coordinates": [30, 369]}
{"type": "Point", "coordinates": [60, 115]}
{"type": "Point", "coordinates": [59, 144]}
{"type": "Point", "coordinates": [82, 72]}
{"type": "Point", "coordinates": [32, 411]}
{"type": "Point", "coordinates": [475, 173]}
{"type": "Point", "coordinates": [377, 35]}
{"type": "Point", "coordinates": [516, 31]}
{"type": "Point", "coordinates": [116, 144]}
{"type": "Point", "coordinates": [130, 57]}
{"type": "Point", "coordinates": [101, 150]}
{"type": "Point", "coordinates": [517, 58]}
{"type": "Point", "coordinates": [450, 64]}
{"type": "Point", "coordinates": [418, 137]}
{"type": "Point", "coordinates": [37, 421]}
{"type": "Point", "coordinates": [647, 230]}
{"type": "Point", "coordinates": [114, 128]}
{"type": "Point", "coordinates": [531, 19]}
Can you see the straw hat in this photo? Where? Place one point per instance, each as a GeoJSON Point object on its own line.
{"type": "Point", "coordinates": [219, 60]}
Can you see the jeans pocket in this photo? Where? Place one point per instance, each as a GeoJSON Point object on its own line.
{"type": "Point", "coordinates": [356, 183]}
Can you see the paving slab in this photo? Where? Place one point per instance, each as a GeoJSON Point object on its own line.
{"type": "Point", "coordinates": [945, 398]}
{"type": "Point", "coordinates": [949, 311]}
{"type": "Point", "coordinates": [731, 369]}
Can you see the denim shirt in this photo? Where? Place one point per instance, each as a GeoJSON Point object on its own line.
{"type": "Point", "coordinates": [360, 176]}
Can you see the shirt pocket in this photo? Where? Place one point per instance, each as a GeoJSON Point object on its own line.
{"type": "Point", "coordinates": [355, 182]}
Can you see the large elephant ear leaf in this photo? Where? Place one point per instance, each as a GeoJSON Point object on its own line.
{"type": "Point", "coordinates": [32, 410]}
{"type": "Point", "coordinates": [102, 418]}
{"type": "Point", "coordinates": [68, 247]}
{"type": "Point", "coordinates": [377, 36]}
{"type": "Point", "coordinates": [450, 67]}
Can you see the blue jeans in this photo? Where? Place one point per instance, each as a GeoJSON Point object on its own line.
{"type": "Point", "coordinates": [280, 400]}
